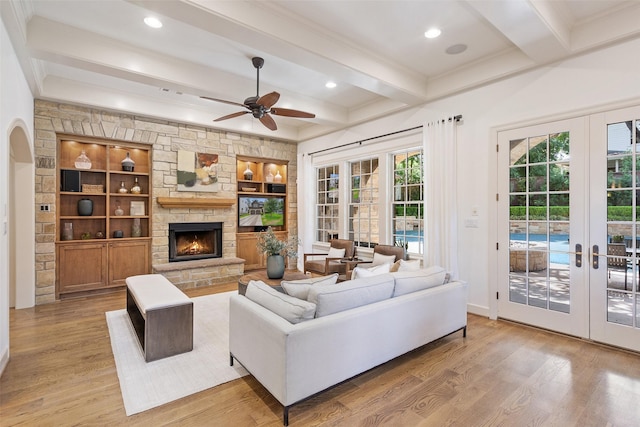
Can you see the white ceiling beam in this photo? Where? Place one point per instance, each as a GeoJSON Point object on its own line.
{"type": "Point", "coordinates": [534, 26]}
{"type": "Point", "coordinates": [270, 29]}
{"type": "Point", "coordinates": [61, 44]}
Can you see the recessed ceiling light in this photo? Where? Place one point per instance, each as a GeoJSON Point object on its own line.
{"type": "Point", "coordinates": [456, 49]}
{"type": "Point", "coordinates": [432, 33]}
{"type": "Point", "coordinates": [153, 22]}
{"type": "Point", "coordinates": [330, 85]}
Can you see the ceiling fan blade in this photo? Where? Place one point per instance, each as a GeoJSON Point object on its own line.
{"type": "Point", "coordinates": [291, 113]}
{"type": "Point", "coordinates": [222, 100]}
{"type": "Point", "coordinates": [268, 100]}
{"type": "Point", "coordinates": [231, 116]}
{"type": "Point", "coordinates": [268, 121]}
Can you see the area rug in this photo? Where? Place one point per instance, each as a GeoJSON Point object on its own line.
{"type": "Point", "coordinates": [147, 385]}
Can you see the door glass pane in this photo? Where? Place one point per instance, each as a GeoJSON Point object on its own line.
{"type": "Point", "coordinates": [539, 222]}
{"type": "Point", "coordinates": [623, 226]}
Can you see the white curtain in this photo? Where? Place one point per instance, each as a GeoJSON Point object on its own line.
{"type": "Point", "coordinates": [440, 210]}
{"type": "Point", "coordinates": [306, 206]}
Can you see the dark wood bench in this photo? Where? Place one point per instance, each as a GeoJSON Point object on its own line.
{"type": "Point", "coordinates": [161, 314]}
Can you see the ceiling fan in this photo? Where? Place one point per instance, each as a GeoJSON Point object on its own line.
{"type": "Point", "coordinates": [261, 106]}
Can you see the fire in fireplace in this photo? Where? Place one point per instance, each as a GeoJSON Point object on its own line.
{"type": "Point", "coordinates": [195, 240]}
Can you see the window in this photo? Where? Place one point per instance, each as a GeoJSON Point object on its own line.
{"type": "Point", "coordinates": [363, 203]}
{"type": "Point", "coordinates": [408, 207]}
{"type": "Point", "coordinates": [327, 209]}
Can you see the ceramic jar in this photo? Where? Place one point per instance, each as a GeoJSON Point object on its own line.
{"type": "Point", "coordinates": [85, 207]}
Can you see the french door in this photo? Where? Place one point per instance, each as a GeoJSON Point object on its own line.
{"type": "Point", "coordinates": [615, 225]}
{"type": "Point", "coordinates": [568, 214]}
{"type": "Point", "coordinates": [542, 226]}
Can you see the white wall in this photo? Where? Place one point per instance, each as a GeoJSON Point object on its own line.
{"type": "Point", "coordinates": [16, 110]}
{"type": "Point", "coordinates": [592, 82]}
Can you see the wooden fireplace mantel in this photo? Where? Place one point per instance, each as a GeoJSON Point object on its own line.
{"type": "Point", "coordinates": [192, 202]}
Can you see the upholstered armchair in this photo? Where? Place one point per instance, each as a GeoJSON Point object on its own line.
{"type": "Point", "coordinates": [381, 254]}
{"type": "Point", "coordinates": [329, 263]}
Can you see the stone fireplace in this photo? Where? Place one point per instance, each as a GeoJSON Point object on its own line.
{"type": "Point", "coordinates": [195, 240]}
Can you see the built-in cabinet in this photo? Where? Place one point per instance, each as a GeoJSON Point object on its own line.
{"type": "Point", "coordinates": [102, 214]}
{"type": "Point", "coordinates": [262, 202]}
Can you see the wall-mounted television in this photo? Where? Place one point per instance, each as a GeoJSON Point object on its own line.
{"type": "Point", "coordinates": [261, 211]}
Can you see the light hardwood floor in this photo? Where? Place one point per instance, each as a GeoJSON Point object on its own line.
{"type": "Point", "coordinates": [62, 372]}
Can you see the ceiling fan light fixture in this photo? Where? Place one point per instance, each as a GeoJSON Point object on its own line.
{"type": "Point", "coordinates": [432, 33]}
{"type": "Point", "coordinates": [153, 22]}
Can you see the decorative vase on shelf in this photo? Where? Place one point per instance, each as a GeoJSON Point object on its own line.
{"type": "Point", "coordinates": [122, 189]}
{"type": "Point", "coordinates": [67, 231]}
{"type": "Point", "coordinates": [248, 173]}
{"type": "Point", "coordinates": [275, 266]}
{"type": "Point", "coordinates": [118, 211]}
{"type": "Point", "coordinates": [269, 177]}
{"type": "Point", "coordinates": [85, 207]}
{"type": "Point", "coordinates": [82, 161]}
{"type": "Point", "coordinates": [136, 229]}
{"type": "Point", "coordinates": [136, 189]}
{"type": "Point", "coordinates": [127, 163]}
{"type": "Point", "coordinates": [278, 177]}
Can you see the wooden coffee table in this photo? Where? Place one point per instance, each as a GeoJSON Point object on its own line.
{"type": "Point", "coordinates": [262, 275]}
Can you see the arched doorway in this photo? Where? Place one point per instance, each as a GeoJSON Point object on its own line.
{"type": "Point", "coordinates": [21, 218]}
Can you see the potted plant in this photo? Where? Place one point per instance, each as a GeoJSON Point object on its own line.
{"type": "Point", "coordinates": [275, 250]}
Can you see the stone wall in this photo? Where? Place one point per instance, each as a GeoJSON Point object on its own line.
{"type": "Point", "coordinates": [165, 138]}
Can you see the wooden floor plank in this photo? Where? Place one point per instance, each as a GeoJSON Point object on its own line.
{"type": "Point", "coordinates": [62, 372]}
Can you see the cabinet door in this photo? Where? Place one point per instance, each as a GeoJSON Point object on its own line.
{"type": "Point", "coordinates": [248, 251]}
{"type": "Point", "coordinates": [128, 258]}
{"type": "Point", "coordinates": [81, 267]}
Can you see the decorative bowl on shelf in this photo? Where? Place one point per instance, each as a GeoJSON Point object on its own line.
{"type": "Point", "coordinates": [248, 189]}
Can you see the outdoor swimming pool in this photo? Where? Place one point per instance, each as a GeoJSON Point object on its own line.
{"type": "Point", "coordinates": [558, 245]}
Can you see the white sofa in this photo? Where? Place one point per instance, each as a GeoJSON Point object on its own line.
{"type": "Point", "coordinates": [294, 361]}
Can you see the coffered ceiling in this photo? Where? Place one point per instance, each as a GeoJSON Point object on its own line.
{"type": "Point", "coordinates": [100, 53]}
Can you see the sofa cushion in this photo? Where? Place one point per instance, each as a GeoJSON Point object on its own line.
{"type": "Point", "coordinates": [336, 253]}
{"type": "Point", "coordinates": [379, 259]}
{"type": "Point", "coordinates": [350, 294]}
{"type": "Point", "coordinates": [413, 265]}
{"type": "Point", "coordinates": [360, 272]}
{"type": "Point", "coordinates": [413, 281]}
{"type": "Point", "coordinates": [300, 288]}
{"type": "Point", "coordinates": [290, 308]}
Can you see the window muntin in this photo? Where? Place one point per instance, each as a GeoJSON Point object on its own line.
{"type": "Point", "coordinates": [408, 196]}
{"type": "Point", "coordinates": [327, 205]}
{"type": "Point", "coordinates": [364, 212]}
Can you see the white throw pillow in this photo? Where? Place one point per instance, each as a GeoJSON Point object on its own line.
{"type": "Point", "coordinates": [351, 294]}
{"type": "Point", "coordinates": [360, 272]}
{"type": "Point", "coordinates": [336, 253]}
{"type": "Point", "coordinates": [409, 265]}
{"type": "Point", "coordinates": [379, 259]}
{"type": "Point", "coordinates": [413, 281]}
{"type": "Point", "coordinates": [300, 288]}
{"type": "Point", "coordinates": [289, 308]}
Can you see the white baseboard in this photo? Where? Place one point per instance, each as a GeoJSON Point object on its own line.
{"type": "Point", "coordinates": [478, 309]}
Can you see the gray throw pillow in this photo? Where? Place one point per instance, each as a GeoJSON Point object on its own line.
{"type": "Point", "coordinates": [300, 288]}
{"type": "Point", "coordinates": [292, 309]}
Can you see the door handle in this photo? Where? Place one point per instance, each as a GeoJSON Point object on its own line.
{"type": "Point", "coordinates": [578, 255]}
{"type": "Point", "coordinates": [595, 257]}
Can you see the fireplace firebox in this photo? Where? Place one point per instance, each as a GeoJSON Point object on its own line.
{"type": "Point", "coordinates": [195, 240]}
